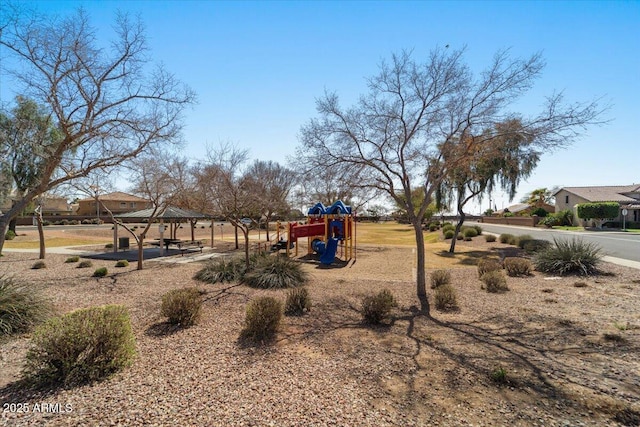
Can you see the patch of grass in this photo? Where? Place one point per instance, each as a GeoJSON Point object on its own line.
{"type": "Point", "coordinates": [445, 298]}
{"type": "Point", "coordinates": [376, 308]}
{"type": "Point", "coordinates": [275, 272]}
{"type": "Point", "coordinates": [297, 302]}
{"type": "Point", "coordinates": [122, 263]}
{"type": "Point", "coordinates": [262, 319]}
{"type": "Point", "coordinates": [100, 272]}
{"type": "Point", "coordinates": [622, 326]}
{"type": "Point", "coordinates": [72, 259]}
{"type": "Point", "coordinates": [569, 257]}
{"type": "Point", "coordinates": [38, 265]}
{"type": "Point", "coordinates": [9, 235]}
{"type": "Point", "coordinates": [499, 375]}
{"type": "Point", "coordinates": [440, 278]}
{"type": "Point", "coordinates": [182, 306]}
{"type": "Point", "coordinates": [21, 306]}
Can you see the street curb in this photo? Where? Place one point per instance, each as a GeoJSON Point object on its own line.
{"type": "Point", "coordinates": [620, 261]}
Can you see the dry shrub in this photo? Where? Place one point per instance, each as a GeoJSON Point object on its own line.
{"type": "Point", "coordinates": [486, 265]}
{"type": "Point", "coordinates": [22, 306]}
{"type": "Point", "coordinates": [489, 238]}
{"type": "Point", "coordinates": [516, 266]}
{"type": "Point", "coordinates": [182, 306]}
{"type": "Point", "coordinates": [445, 298]}
{"type": "Point", "coordinates": [495, 281]}
{"type": "Point", "coordinates": [81, 346]}
{"type": "Point", "coordinates": [376, 308]}
{"type": "Point", "coordinates": [262, 319]}
{"type": "Point", "coordinates": [297, 302]}
{"type": "Point", "coordinates": [440, 278]}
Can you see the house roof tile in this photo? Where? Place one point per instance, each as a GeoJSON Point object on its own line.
{"type": "Point", "coordinates": [611, 193]}
{"type": "Point", "coordinates": [117, 196]}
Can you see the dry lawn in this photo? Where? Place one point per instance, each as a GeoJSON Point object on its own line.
{"type": "Point", "coordinates": [569, 354]}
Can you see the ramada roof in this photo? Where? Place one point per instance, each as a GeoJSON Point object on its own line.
{"type": "Point", "coordinates": [613, 193]}
{"type": "Point", "coordinates": [117, 196]}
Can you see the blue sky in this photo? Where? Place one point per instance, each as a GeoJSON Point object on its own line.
{"type": "Point", "coordinates": [257, 67]}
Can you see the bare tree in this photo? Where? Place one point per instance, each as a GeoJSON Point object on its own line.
{"type": "Point", "coordinates": [410, 128]}
{"type": "Point", "coordinates": [232, 194]}
{"type": "Point", "coordinates": [109, 105]}
{"type": "Point", "coordinates": [272, 185]}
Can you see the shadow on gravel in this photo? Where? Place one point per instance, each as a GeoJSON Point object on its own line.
{"type": "Point", "coordinates": [162, 329]}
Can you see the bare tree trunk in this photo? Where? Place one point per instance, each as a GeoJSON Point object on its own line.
{"type": "Point", "coordinates": [236, 233]}
{"type": "Point", "coordinates": [193, 227]}
{"type": "Point", "coordinates": [421, 279]}
{"type": "Point", "coordinates": [41, 234]}
{"type": "Point", "coordinates": [140, 250]}
{"type": "Point", "coordinates": [267, 228]}
{"type": "Point", "coordinates": [245, 231]}
{"type": "Point", "coordinates": [4, 220]}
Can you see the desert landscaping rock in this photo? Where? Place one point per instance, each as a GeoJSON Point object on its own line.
{"type": "Point", "coordinates": [326, 368]}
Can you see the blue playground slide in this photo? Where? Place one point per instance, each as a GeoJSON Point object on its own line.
{"type": "Point", "coordinates": [329, 252]}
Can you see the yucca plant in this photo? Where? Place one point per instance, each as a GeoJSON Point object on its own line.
{"type": "Point", "coordinates": [222, 270]}
{"type": "Point", "coordinates": [573, 256]}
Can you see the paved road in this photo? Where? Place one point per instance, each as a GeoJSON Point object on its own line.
{"type": "Point", "coordinates": [617, 244]}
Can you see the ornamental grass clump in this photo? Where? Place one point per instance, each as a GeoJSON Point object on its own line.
{"type": "Point", "coordinates": [82, 346]}
{"type": "Point", "coordinates": [182, 306]}
{"type": "Point", "coordinates": [516, 266]}
{"type": "Point", "coordinates": [275, 272]}
{"type": "Point", "coordinates": [440, 278]}
{"type": "Point", "coordinates": [262, 319]}
{"type": "Point", "coordinates": [222, 270]}
{"type": "Point", "coordinates": [122, 263]}
{"type": "Point", "coordinates": [376, 308]}
{"type": "Point", "coordinates": [489, 238]}
{"type": "Point", "coordinates": [72, 259]}
{"type": "Point", "coordinates": [445, 298]}
{"type": "Point", "coordinates": [507, 238]}
{"type": "Point", "coordinates": [297, 302]}
{"type": "Point", "coordinates": [85, 264]}
{"type": "Point", "coordinates": [486, 265]}
{"type": "Point", "coordinates": [100, 272]}
{"type": "Point", "coordinates": [573, 256]}
{"type": "Point", "coordinates": [21, 306]}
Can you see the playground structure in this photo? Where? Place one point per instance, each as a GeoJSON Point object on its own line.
{"type": "Point", "coordinates": [328, 230]}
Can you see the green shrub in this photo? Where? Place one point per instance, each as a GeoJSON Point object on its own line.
{"type": "Point", "coordinates": [222, 270]}
{"type": "Point", "coordinates": [38, 265]}
{"type": "Point", "coordinates": [517, 266]}
{"type": "Point", "coordinates": [85, 264]}
{"type": "Point", "coordinates": [488, 264]}
{"type": "Point", "coordinates": [448, 226]}
{"type": "Point", "coordinates": [433, 227]}
{"type": "Point", "coordinates": [536, 245]}
{"type": "Point", "coordinates": [100, 272]}
{"type": "Point", "coordinates": [72, 259]}
{"type": "Point", "coordinates": [9, 235]}
{"type": "Point", "coordinates": [445, 298]}
{"type": "Point", "coordinates": [274, 272]}
{"type": "Point", "coordinates": [507, 238]}
{"type": "Point", "coordinates": [494, 281]}
{"type": "Point", "coordinates": [21, 306]}
{"type": "Point", "coordinates": [470, 233]}
{"type": "Point", "coordinates": [297, 302]}
{"type": "Point", "coordinates": [508, 214]}
{"type": "Point", "coordinates": [440, 278]}
{"type": "Point", "coordinates": [490, 238]}
{"type": "Point", "coordinates": [448, 234]}
{"type": "Point", "coordinates": [540, 212]}
{"type": "Point", "coordinates": [376, 308]}
{"type": "Point", "coordinates": [461, 237]}
{"type": "Point", "coordinates": [81, 346]}
{"type": "Point", "coordinates": [122, 263]}
{"type": "Point", "coordinates": [499, 375]}
{"type": "Point", "coordinates": [478, 229]}
{"type": "Point", "coordinates": [262, 319]}
{"type": "Point", "coordinates": [182, 306]}
{"type": "Point", "coordinates": [522, 240]}
{"type": "Point", "coordinates": [109, 246]}
{"type": "Point", "coordinates": [569, 256]}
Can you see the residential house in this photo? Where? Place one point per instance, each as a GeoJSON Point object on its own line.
{"type": "Point", "coordinates": [51, 206]}
{"type": "Point", "coordinates": [628, 196]}
{"type": "Point", "coordinates": [524, 209]}
{"type": "Point", "coordinates": [117, 203]}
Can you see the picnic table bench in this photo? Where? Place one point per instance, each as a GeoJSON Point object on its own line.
{"type": "Point", "coordinates": [182, 245]}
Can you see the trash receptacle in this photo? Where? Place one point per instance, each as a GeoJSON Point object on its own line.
{"type": "Point", "coordinates": [123, 242]}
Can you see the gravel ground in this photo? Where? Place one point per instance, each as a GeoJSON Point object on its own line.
{"type": "Point", "coordinates": [570, 353]}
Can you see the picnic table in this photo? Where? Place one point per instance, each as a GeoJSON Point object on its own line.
{"type": "Point", "coordinates": [182, 245]}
